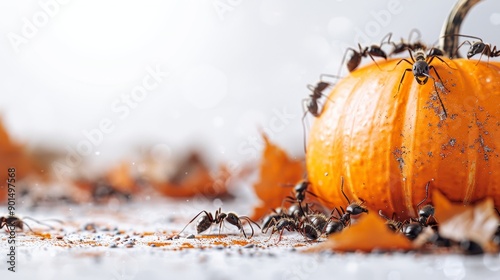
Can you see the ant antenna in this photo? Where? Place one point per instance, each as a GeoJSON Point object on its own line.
{"type": "Point", "coordinates": [426, 194]}
{"type": "Point", "coordinates": [342, 189]}
{"type": "Point", "coordinates": [417, 33]}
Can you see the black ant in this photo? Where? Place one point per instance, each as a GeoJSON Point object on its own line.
{"type": "Point", "coordinates": [306, 229]}
{"type": "Point", "coordinates": [478, 47]}
{"type": "Point", "coordinates": [310, 104]}
{"type": "Point", "coordinates": [413, 229]}
{"type": "Point", "coordinates": [374, 50]}
{"type": "Point", "coordinates": [299, 192]}
{"type": "Point", "coordinates": [280, 225]}
{"type": "Point", "coordinates": [206, 221]}
{"type": "Point", "coordinates": [10, 222]}
{"type": "Point", "coordinates": [413, 45]}
{"type": "Point", "coordinates": [353, 208]}
{"type": "Point", "coordinates": [421, 68]}
{"type": "Point", "coordinates": [270, 220]}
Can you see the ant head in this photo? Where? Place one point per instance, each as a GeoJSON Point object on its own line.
{"type": "Point", "coordinates": [355, 209]}
{"type": "Point", "coordinates": [477, 47]}
{"type": "Point", "coordinates": [233, 219]}
{"type": "Point", "coordinates": [420, 68]}
{"type": "Point", "coordinates": [302, 186]}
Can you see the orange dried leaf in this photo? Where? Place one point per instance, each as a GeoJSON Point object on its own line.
{"type": "Point", "coordinates": [460, 222]}
{"type": "Point", "coordinates": [277, 171]}
{"type": "Point", "coordinates": [368, 234]}
{"type": "Point", "coordinates": [13, 155]}
{"type": "Point", "coordinates": [121, 179]}
{"type": "Point", "coordinates": [194, 178]}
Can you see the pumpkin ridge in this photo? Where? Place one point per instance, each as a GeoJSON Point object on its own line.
{"type": "Point", "coordinates": [351, 106]}
{"type": "Point", "coordinates": [472, 155]}
{"type": "Point", "coordinates": [396, 141]}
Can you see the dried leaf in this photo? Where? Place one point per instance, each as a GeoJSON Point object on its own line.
{"type": "Point", "coordinates": [120, 178]}
{"type": "Point", "coordinates": [277, 171]}
{"type": "Point", "coordinates": [460, 222]}
{"type": "Point", "coordinates": [13, 155]}
{"type": "Point", "coordinates": [368, 234]}
{"type": "Point", "coordinates": [194, 178]}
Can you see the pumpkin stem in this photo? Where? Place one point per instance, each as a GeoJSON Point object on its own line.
{"type": "Point", "coordinates": [447, 42]}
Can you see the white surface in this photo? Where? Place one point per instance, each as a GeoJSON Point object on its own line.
{"type": "Point", "coordinates": [42, 260]}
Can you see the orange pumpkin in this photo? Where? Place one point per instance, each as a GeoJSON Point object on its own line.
{"type": "Point", "coordinates": [388, 144]}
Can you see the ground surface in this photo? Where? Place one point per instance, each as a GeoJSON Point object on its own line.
{"type": "Point", "coordinates": [131, 241]}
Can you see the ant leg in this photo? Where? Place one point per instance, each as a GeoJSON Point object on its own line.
{"type": "Point", "coordinates": [42, 223]}
{"type": "Point", "coordinates": [250, 222]}
{"type": "Point", "coordinates": [402, 78]}
{"type": "Point", "coordinates": [437, 93]}
{"type": "Point", "coordinates": [459, 46]}
{"type": "Point", "coordinates": [243, 231]}
{"type": "Point", "coordinates": [440, 59]}
{"type": "Point", "coordinates": [304, 126]}
{"type": "Point", "coordinates": [329, 75]}
{"type": "Point", "coordinates": [439, 77]}
{"type": "Point", "coordinates": [373, 59]}
{"type": "Point", "coordinates": [388, 36]}
{"type": "Point", "coordinates": [405, 60]}
{"type": "Point", "coordinates": [333, 212]}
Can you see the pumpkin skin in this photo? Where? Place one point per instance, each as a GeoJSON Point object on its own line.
{"type": "Point", "coordinates": [387, 145]}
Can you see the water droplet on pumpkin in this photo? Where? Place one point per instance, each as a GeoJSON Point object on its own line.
{"type": "Point", "coordinates": [326, 173]}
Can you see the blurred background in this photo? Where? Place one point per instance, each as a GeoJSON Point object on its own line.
{"type": "Point", "coordinates": [104, 79]}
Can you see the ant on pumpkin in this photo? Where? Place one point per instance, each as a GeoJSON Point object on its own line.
{"type": "Point", "coordinates": [414, 228]}
{"type": "Point", "coordinates": [413, 45]}
{"type": "Point", "coordinates": [421, 66]}
{"type": "Point", "coordinates": [374, 50]}
{"type": "Point", "coordinates": [206, 221]}
{"type": "Point", "coordinates": [310, 104]}
{"type": "Point", "coordinates": [353, 208]}
{"type": "Point", "coordinates": [478, 47]}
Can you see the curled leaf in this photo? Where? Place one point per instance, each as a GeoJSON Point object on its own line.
{"type": "Point", "coordinates": [13, 155]}
{"type": "Point", "coordinates": [120, 178]}
{"type": "Point", "coordinates": [460, 222]}
{"type": "Point", "coordinates": [368, 234]}
{"type": "Point", "coordinates": [277, 170]}
{"type": "Point", "coordinates": [192, 178]}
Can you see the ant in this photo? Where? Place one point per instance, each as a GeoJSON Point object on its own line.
{"type": "Point", "coordinates": [299, 192]}
{"type": "Point", "coordinates": [374, 50]}
{"type": "Point", "coordinates": [413, 229]}
{"type": "Point", "coordinates": [306, 229]}
{"type": "Point", "coordinates": [478, 47]}
{"type": "Point", "coordinates": [392, 223]}
{"type": "Point", "coordinates": [310, 104]}
{"type": "Point", "coordinates": [417, 44]}
{"type": "Point", "coordinates": [16, 222]}
{"type": "Point", "coordinates": [206, 221]}
{"type": "Point", "coordinates": [326, 225]}
{"type": "Point", "coordinates": [353, 208]}
{"type": "Point", "coordinates": [421, 68]}
{"type": "Point", "coordinates": [280, 224]}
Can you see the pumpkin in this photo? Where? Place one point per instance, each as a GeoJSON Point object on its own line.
{"type": "Point", "coordinates": [387, 144]}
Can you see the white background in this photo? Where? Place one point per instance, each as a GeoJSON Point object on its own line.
{"type": "Point", "coordinates": [234, 66]}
